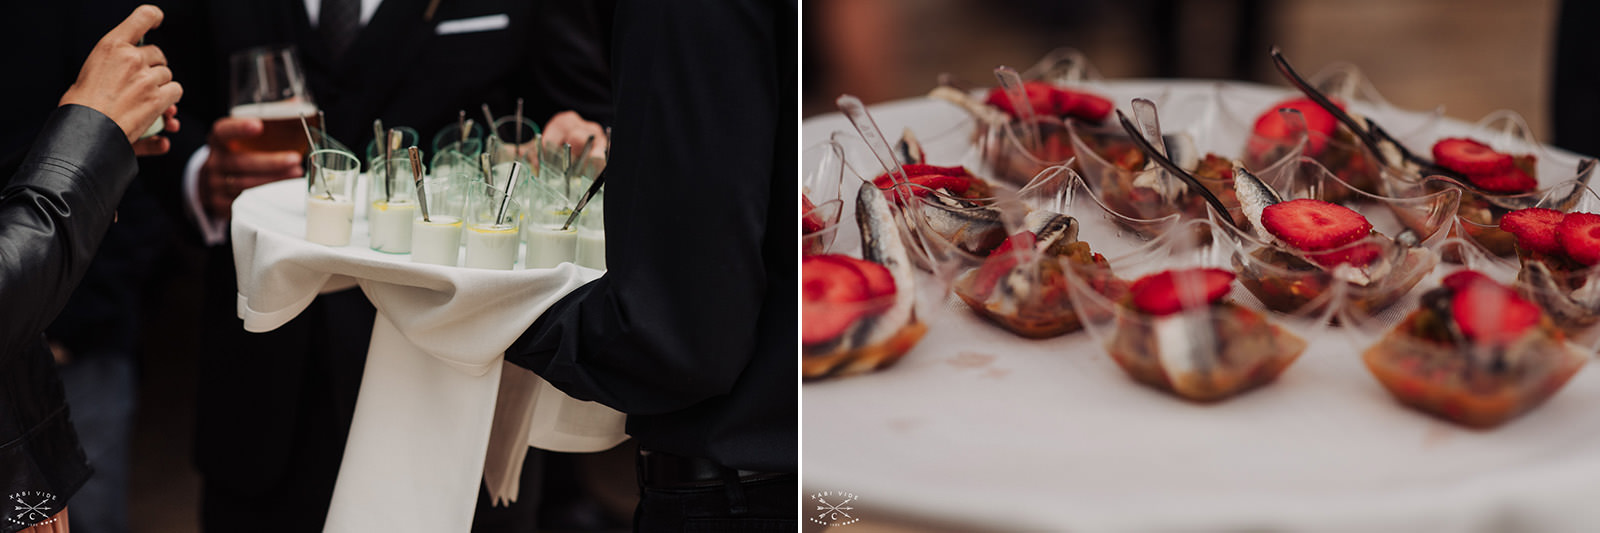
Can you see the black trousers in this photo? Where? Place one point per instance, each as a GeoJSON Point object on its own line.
{"type": "Point", "coordinates": [761, 505]}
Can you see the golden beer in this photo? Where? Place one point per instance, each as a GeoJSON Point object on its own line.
{"type": "Point", "coordinates": [281, 131]}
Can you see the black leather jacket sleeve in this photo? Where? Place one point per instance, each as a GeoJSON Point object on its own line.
{"type": "Point", "coordinates": [53, 215]}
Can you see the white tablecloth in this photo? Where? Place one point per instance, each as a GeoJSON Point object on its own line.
{"type": "Point", "coordinates": [435, 367]}
{"type": "Point", "coordinates": [976, 428]}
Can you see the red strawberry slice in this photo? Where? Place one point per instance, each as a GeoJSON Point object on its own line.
{"type": "Point", "coordinates": [884, 181]}
{"type": "Point", "coordinates": [1020, 241]}
{"type": "Point", "coordinates": [1579, 234]}
{"type": "Point", "coordinates": [809, 222]}
{"type": "Point", "coordinates": [1470, 157]}
{"type": "Point", "coordinates": [1513, 181]}
{"type": "Point", "coordinates": [1159, 294]}
{"type": "Point", "coordinates": [1535, 228]}
{"type": "Point", "coordinates": [1314, 225]}
{"type": "Point", "coordinates": [879, 281]}
{"type": "Point", "coordinates": [1358, 255]}
{"type": "Point", "coordinates": [1487, 311]}
{"type": "Point", "coordinates": [1461, 279]}
{"type": "Point", "coordinates": [954, 184]}
{"type": "Point", "coordinates": [831, 291]}
{"type": "Point", "coordinates": [1319, 123]}
{"type": "Point", "coordinates": [1040, 94]}
{"type": "Point", "coordinates": [994, 269]}
{"type": "Point", "coordinates": [1082, 105]}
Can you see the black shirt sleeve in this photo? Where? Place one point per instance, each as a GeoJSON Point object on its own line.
{"type": "Point", "coordinates": [676, 318]}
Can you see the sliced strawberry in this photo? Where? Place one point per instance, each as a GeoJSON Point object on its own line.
{"type": "Point", "coordinates": [1358, 255]}
{"type": "Point", "coordinates": [1470, 157]}
{"type": "Point", "coordinates": [1535, 228]}
{"type": "Point", "coordinates": [994, 269]}
{"type": "Point", "coordinates": [1020, 241]}
{"type": "Point", "coordinates": [831, 291]}
{"type": "Point", "coordinates": [1040, 94]}
{"type": "Point", "coordinates": [1579, 234]}
{"type": "Point", "coordinates": [809, 222]}
{"type": "Point", "coordinates": [1314, 225]}
{"type": "Point", "coordinates": [879, 281]}
{"type": "Point", "coordinates": [1461, 279]}
{"type": "Point", "coordinates": [1489, 312]}
{"type": "Point", "coordinates": [954, 184]}
{"type": "Point", "coordinates": [1319, 123]}
{"type": "Point", "coordinates": [1513, 181]}
{"type": "Point", "coordinates": [1159, 294]}
{"type": "Point", "coordinates": [1082, 105]}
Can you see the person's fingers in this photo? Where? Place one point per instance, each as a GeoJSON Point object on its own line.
{"type": "Point", "coordinates": [228, 128]}
{"type": "Point", "coordinates": [133, 28]}
{"type": "Point", "coordinates": [172, 124]}
{"type": "Point", "coordinates": [152, 55]}
{"type": "Point", "coordinates": [169, 92]}
{"type": "Point", "coordinates": [161, 75]}
{"type": "Point", "coordinates": [270, 164]}
{"type": "Point", "coordinates": [152, 146]}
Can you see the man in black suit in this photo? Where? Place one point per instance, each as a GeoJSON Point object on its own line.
{"type": "Point", "coordinates": [692, 330]}
{"type": "Point", "coordinates": [274, 408]}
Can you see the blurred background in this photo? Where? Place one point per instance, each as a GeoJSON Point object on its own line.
{"type": "Point", "coordinates": [1472, 56]}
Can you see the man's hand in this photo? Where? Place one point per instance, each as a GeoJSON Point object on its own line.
{"type": "Point", "coordinates": [226, 173]}
{"type": "Point", "coordinates": [567, 127]}
{"type": "Point", "coordinates": [125, 81]}
{"type": "Point", "coordinates": [157, 145]}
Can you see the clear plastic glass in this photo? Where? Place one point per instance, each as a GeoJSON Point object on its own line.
{"type": "Point", "coordinates": [1206, 351]}
{"type": "Point", "coordinates": [1428, 367]}
{"type": "Point", "coordinates": [873, 333]}
{"type": "Point", "coordinates": [330, 196]}
{"type": "Point", "coordinates": [493, 228]}
{"type": "Point", "coordinates": [820, 201]}
{"type": "Point", "coordinates": [391, 204]}
{"type": "Point", "coordinates": [1285, 279]}
{"type": "Point", "coordinates": [1022, 289]}
{"type": "Point", "coordinates": [1561, 176]}
{"type": "Point", "coordinates": [408, 137]}
{"type": "Point", "coordinates": [450, 138]}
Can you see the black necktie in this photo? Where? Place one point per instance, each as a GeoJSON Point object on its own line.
{"type": "Point", "coordinates": [338, 22]}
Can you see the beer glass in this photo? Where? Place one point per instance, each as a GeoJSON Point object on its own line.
{"type": "Point", "coordinates": [267, 83]}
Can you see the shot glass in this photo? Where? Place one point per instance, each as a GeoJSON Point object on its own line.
{"type": "Point", "coordinates": [330, 197]}
{"type": "Point", "coordinates": [592, 233]}
{"type": "Point", "coordinates": [493, 230]}
{"type": "Point", "coordinates": [507, 135]}
{"type": "Point", "coordinates": [391, 206]}
{"type": "Point", "coordinates": [437, 239]}
{"type": "Point", "coordinates": [548, 244]}
{"type": "Point", "coordinates": [450, 138]}
{"type": "Point", "coordinates": [408, 137]}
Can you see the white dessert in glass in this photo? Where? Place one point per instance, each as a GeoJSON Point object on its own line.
{"type": "Point", "coordinates": [329, 221]}
{"type": "Point", "coordinates": [330, 197]}
{"type": "Point", "coordinates": [549, 245]}
{"type": "Point", "coordinates": [592, 248]}
{"type": "Point", "coordinates": [436, 241]}
{"type": "Point", "coordinates": [492, 246]}
{"type": "Point", "coordinates": [391, 226]}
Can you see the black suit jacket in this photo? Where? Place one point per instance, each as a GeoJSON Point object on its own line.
{"type": "Point", "coordinates": [693, 330]}
{"type": "Point", "coordinates": [260, 393]}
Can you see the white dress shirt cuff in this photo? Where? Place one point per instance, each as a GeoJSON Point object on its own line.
{"type": "Point", "coordinates": [213, 232]}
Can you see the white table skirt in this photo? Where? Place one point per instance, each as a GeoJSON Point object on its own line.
{"type": "Point", "coordinates": [435, 367]}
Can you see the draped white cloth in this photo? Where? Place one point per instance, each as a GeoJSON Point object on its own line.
{"type": "Point", "coordinates": [421, 434]}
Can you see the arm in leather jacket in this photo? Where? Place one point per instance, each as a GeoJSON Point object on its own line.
{"type": "Point", "coordinates": [53, 215]}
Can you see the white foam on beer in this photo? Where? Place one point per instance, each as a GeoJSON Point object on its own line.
{"type": "Point", "coordinates": [275, 110]}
